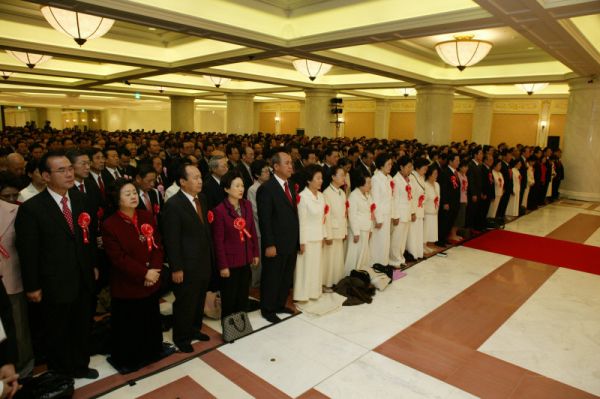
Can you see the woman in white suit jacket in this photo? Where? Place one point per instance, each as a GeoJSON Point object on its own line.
{"type": "Point", "coordinates": [381, 192]}
{"type": "Point", "coordinates": [512, 209]}
{"type": "Point", "coordinates": [401, 211]}
{"type": "Point", "coordinates": [415, 232]}
{"type": "Point", "coordinates": [498, 188]}
{"type": "Point", "coordinates": [308, 276]}
{"type": "Point", "coordinates": [336, 228]}
{"type": "Point", "coordinates": [432, 205]}
{"type": "Point", "coordinates": [360, 221]}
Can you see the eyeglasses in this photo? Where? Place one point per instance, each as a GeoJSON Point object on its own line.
{"type": "Point", "coordinates": [62, 171]}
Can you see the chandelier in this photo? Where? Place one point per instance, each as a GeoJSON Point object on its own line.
{"type": "Point", "coordinates": [407, 91]}
{"type": "Point", "coordinates": [531, 88]}
{"type": "Point", "coordinates": [311, 69]}
{"type": "Point", "coordinates": [6, 75]}
{"type": "Point", "coordinates": [29, 59]}
{"type": "Point", "coordinates": [79, 26]}
{"type": "Point", "coordinates": [216, 80]}
{"type": "Point", "coordinates": [463, 51]}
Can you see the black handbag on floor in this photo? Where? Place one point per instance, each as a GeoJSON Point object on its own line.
{"type": "Point", "coordinates": [236, 326]}
{"type": "Point", "coordinates": [49, 385]}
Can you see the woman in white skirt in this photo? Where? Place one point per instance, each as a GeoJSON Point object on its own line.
{"type": "Point", "coordinates": [530, 180]}
{"type": "Point", "coordinates": [414, 244]}
{"type": "Point", "coordinates": [336, 229]}
{"type": "Point", "coordinates": [360, 221]}
{"type": "Point", "coordinates": [382, 198]}
{"type": "Point", "coordinates": [498, 188]}
{"type": "Point", "coordinates": [311, 215]}
{"type": "Point", "coordinates": [401, 211]}
{"type": "Point", "coordinates": [512, 209]}
{"type": "Point", "coordinates": [432, 205]}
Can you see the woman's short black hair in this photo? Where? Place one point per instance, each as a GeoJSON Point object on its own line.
{"type": "Point", "coordinates": [360, 179]}
{"type": "Point", "coordinates": [432, 167]}
{"type": "Point", "coordinates": [113, 191]}
{"type": "Point", "coordinates": [229, 177]}
{"type": "Point", "coordinates": [381, 160]}
{"type": "Point", "coordinates": [420, 162]}
{"type": "Point", "coordinates": [311, 170]}
{"type": "Point", "coordinates": [404, 160]}
{"type": "Point", "coordinates": [257, 167]}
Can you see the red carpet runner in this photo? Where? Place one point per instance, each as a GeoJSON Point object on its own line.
{"type": "Point", "coordinates": [566, 254]}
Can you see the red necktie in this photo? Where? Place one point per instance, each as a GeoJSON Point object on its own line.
{"type": "Point", "coordinates": [67, 212]}
{"type": "Point", "coordinates": [82, 188]}
{"type": "Point", "coordinates": [101, 185]}
{"type": "Point", "coordinates": [199, 209]}
{"type": "Point", "coordinates": [288, 194]}
{"type": "Point", "coordinates": [147, 201]}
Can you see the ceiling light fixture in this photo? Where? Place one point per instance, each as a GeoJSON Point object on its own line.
{"type": "Point", "coordinates": [29, 59]}
{"type": "Point", "coordinates": [531, 88]}
{"type": "Point", "coordinates": [81, 27]}
{"type": "Point", "coordinates": [407, 91]}
{"type": "Point", "coordinates": [161, 89]}
{"type": "Point", "coordinates": [6, 75]}
{"type": "Point", "coordinates": [463, 51]}
{"type": "Point", "coordinates": [311, 69]}
{"type": "Point", "coordinates": [216, 80]}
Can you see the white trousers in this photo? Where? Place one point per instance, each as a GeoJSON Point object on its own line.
{"type": "Point", "coordinates": [398, 243]}
{"type": "Point", "coordinates": [308, 276]}
{"type": "Point", "coordinates": [358, 255]}
{"type": "Point", "coordinates": [414, 243]}
{"type": "Point", "coordinates": [333, 262]}
{"type": "Point", "coordinates": [380, 243]}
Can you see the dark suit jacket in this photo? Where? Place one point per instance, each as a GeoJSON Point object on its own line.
{"type": "Point", "coordinates": [187, 240]}
{"type": "Point", "coordinates": [107, 178]}
{"type": "Point", "coordinates": [155, 199]}
{"type": "Point", "coordinates": [298, 166]}
{"type": "Point", "coordinates": [128, 171]}
{"type": "Point", "coordinates": [475, 180]}
{"type": "Point", "coordinates": [278, 218]}
{"type": "Point", "coordinates": [487, 182]}
{"type": "Point", "coordinates": [52, 258]}
{"type": "Point", "coordinates": [326, 177]}
{"type": "Point", "coordinates": [523, 172]}
{"type": "Point", "coordinates": [246, 177]}
{"type": "Point", "coordinates": [507, 176]}
{"type": "Point", "coordinates": [230, 250]}
{"type": "Point", "coordinates": [213, 191]}
{"type": "Point", "coordinates": [449, 194]}
{"type": "Point", "coordinates": [129, 256]}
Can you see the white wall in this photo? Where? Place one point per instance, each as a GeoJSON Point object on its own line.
{"type": "Point", "coordinates": [134, 119]}
{"type": "Point", "coordinates": [209, 121]}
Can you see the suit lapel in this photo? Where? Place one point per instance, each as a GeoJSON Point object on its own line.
{"type": "Point", "coordinates": [281, 192]}
{"type": "Point", "coordinates": [56, 212]}
{"type": "Point", "coordinates": [188, 207]}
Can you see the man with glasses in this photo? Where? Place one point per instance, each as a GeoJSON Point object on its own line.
{"type": "Point", "coordinates": [57, 262]}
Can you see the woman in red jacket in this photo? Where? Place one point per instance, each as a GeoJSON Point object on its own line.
{"type": "Point", "coordinates": [236, 244]}
{"type": "Point", "coordinates": [133, 246]}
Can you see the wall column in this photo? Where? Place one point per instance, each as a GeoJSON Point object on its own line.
{"type": "Point", "coordinates": [582, 135]}
{"type": "Point", "coordinates": [483, 113]}
{"type": "Point", "coordinates": [182, 114]}
{"type": "Point", "coordinates": [434, 114]}
{"type": "Point", "coordinates": [317, 113]}
{"type": "Point", "coordinates": [54, 115]}
{"type": "Point", "coordinates": [240, 113]}
{"type": "Point", "coordinates": [382, 119]}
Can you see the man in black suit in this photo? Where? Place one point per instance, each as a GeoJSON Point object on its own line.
{"type": "Point", "coordinates": [449, 198]}
{"type": "Point", "coordinates": [188, 245]}
{"type": "Point", "coordinates": [111, 164]}
{"type": "Point", "coordinates": [560, 173]}
{"type": "Point", "coordinates": [362, 167]}
{"type": "Point", "coordinates": [212, 183]}
{"type": "Point", "coordinates": [308, 156]}
{"type": "Point", "coordinates": [279, 229]}
{"type": "Point", "coordinates": [58, 266]}
{"type": "Point", "coordinates": [488, 189]}
{"type": "Point", "coordinates": [506, 171]}
{"type": "Point", "coordinates": [474, 190]}
{"type": "Point", "coordinates": [150, 199]}
{"type": "Point", "coordinates": [332, 157]}
{"type": "Point", "coordinates": [244, 168]}
{"type": "Point", "coordinates": [125, 169]}
{"type": "Point", "coordinates": [233, 155]}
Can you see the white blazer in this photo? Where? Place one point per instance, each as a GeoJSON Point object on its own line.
{"type": "Point", "coordinates": [418, 199]}
{"type": "Point", "coordinates": [10, 269]}
{"type": "Point", "coordinates": [359, 212]}
{"type": "Point", "coordinates": [432, 198]}
{"type": "Point", "coordinates": [310, 214]}
{"type": "Point", "coordinates": [336, 224]}
{"type": "Point", "coordinates": [381, 192]}
{"type": "Point", "coordinates": [401, 208]}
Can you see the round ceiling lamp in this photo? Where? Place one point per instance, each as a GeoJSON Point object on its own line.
{"type": "Point", "coordinates": [217, 81]}
{"type": "Point", "coordinates": [531, 88]}
{"type": "Point", "coordinates": [311, 69]}
{"type": "Point", "coordinates": [6, 75]}
{"type": "Point", "coordinates": [81, 27]}
{"type": "Point", "coordinates": [407, 91]}
{"type": "Point", "coordinates": [463, 51]}
{"type": "Point", "coordinates": [29, 59]}
{"type": "Point", "coordinates": [161, 89]}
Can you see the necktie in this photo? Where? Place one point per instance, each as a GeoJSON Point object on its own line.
{"type": "Point", "coordinates": [117, 175]}
{"type": "Point", "coordinates": [147, 202]}
{"type": "Point", "coordinates": [67, 212]}
{"type": "Point", "coordinates": [288, 194]}
{"type": "Point", "coordinates": [82, 188]}
{"type": "Point", "coordinates": [101, 185]}
{"type": "Point", "coordinates": [199, 209]}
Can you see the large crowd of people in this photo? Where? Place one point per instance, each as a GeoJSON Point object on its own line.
{"type": "Point", "coordinates": [139, 214]}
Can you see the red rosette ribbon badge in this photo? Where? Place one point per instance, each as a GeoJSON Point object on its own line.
{"type": "Point", "coordinates": [211, 216]}
{"type": "Point", "coordinates": [436, 202]}
{"type": "Point", "coordinates": [326, 212]}
{"type": "Point", "coordinates": [421, 200]}
{"type": "Point", "coordinates": [156, 208]}
{"type": "Point", "coordinates": [148, 233]}
{"type": "Point", "coordinates": [296, 187]}
{"type": "Point", "coordinates": [373, 207]}
{"type": "Point", "coordinates": [240, 224]}
{"type": "Point", "coordinates": [83, 221]}
{"type": "Point", "coordinates": [3, 250]}
{"type": "Point", "coordinates": [392, 185]}
{"type": "Point", "coordinates": [409, 191]}
{"type": "Point", "coordinates": [454, 182]}
{"type": "Point", "coordinates": [347, 207]}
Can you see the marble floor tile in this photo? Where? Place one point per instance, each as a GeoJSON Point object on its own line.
{"type": "Point", "coordinates": [376, 376]}
{"type": "Point", "coordinates": [594, 239]}
{"type": "Point", "coordinates": [556, 333]}
{"type": "Point", "coordinates": [294, 355]}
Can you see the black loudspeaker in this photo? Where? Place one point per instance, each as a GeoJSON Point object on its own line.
{"type": "Point", "coordinates": [299, 132]}
{"type": "Point", "coordinates": [336, 101]}
{"type": "Point", "coordinates": [554, 142]}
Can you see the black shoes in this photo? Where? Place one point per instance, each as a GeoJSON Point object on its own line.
{"type": "Point", "coordinates": [90, 374]}
{"type": "Point", "coordinates": [184, 347]}
{"type": "Point", "coordinates": [271, 317]}
{"type": "Point", "coordinates": [201, 336]}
